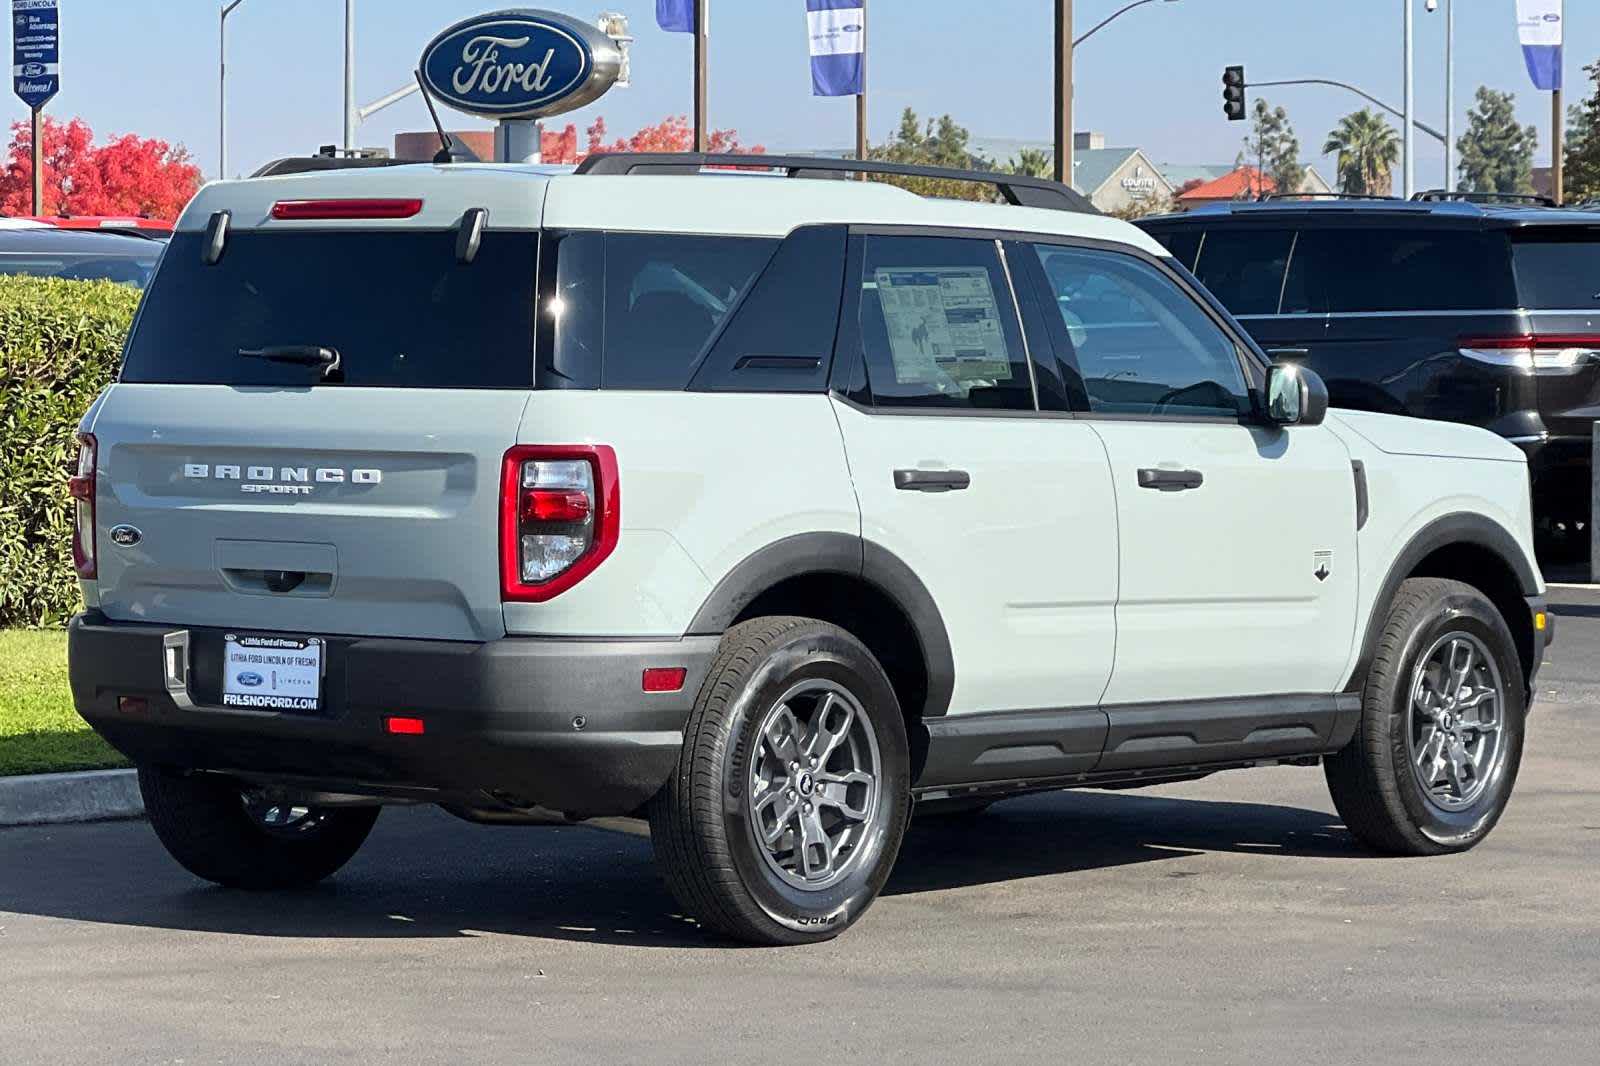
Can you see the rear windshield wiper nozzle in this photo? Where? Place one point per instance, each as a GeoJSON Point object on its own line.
{"type": "Point", "coordinates": [297, 354]}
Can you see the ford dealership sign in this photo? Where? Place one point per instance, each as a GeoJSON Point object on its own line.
{"type": "Point", "coordinates": [520, 64]}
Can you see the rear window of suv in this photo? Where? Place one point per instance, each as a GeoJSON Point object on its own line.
{"type": "Point", "coordinates": [398, 307]}
{"type": "Point", "coordinates": [1557, 269]}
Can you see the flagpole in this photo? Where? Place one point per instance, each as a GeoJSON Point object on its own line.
{"type": "Point", "coordinates": [861, 97]}
{"type": "Point", "coordinates": [1557, 119]}
{"type": "Point", "coordinates": [702, 140]}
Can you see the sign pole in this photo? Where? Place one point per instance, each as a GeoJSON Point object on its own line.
{"type": "Point", "coordinates": [1064, 91]}
{"type": "Point", "coordinates": [1557, 137]}
{"type": "Point", "coordinates": [701, 69]}
{"type": "Point", "coordinates": [861, 97]}
{"type": "Point", "coordinates": [38, 164]}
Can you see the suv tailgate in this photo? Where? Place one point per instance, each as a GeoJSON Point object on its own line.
{"type": "Point", "coordinates": [228, 486]}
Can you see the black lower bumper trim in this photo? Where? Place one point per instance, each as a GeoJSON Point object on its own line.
{"type": "Point", "coordinates": [561, 724]}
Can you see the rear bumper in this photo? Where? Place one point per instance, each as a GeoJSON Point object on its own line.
{"type": "Point", "coordinates": [559, 724]}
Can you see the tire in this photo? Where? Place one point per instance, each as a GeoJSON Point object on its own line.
{"type": "Point", "coordinates": [730, 784]}
{"type": "Point", "coordinates": [1381, 798]}
{"type": "Point", "coordinates": [206, 825]}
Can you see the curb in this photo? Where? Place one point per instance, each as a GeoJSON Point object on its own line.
{"type": "Point", "coordinates": [54, 799]}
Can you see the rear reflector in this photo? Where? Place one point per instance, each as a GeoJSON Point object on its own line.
{"type": "Point", "coordinates": [302, 210]}
{"type": "Point", "coordinates": [664, 679]}
{"type": "Point", "coordinates": [404, 727]}
{"type": "Point", "coordinates": [132, 704]}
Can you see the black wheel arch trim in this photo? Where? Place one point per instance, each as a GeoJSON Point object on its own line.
{"type": "Point", "coordinates": [847, 555]}
{"type": "Point", "coordinates": [1459, 528]}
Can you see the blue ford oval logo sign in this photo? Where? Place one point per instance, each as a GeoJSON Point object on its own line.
{"type": "Point", "coordinates": [250, 679]}
{"type": "Point", "coordinates": [520, 64]}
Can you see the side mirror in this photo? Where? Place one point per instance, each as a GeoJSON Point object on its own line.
{"type": "Point", "coordinates": [1296, 396]}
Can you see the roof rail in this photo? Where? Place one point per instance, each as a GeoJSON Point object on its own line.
{"type": "Point", "coordinates": [1437, 196]}
{"type": "Point", "coordinates": [1015, 189]}
{"type": "Point", "coordinates": [1327, 196]}
{"type": "Point", "coordinates": [313, 163]}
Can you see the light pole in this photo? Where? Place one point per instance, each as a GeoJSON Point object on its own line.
{"type": "Point", "coordinates": [222, 88]}
{"type": "Point", "coordinates": [1449, 86]}
{"type": "Point", "coordinates": [1064, 47]}
{"type": "Point", "coordinates": [350, 118]}
{"type": "Point", "coordinates": [1408, 105]}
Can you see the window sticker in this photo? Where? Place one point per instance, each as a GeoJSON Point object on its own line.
{"type": "Point", "coordinates": [944, 326]}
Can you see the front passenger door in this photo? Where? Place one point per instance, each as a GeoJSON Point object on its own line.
{"type": "Point", "coordinates": [1237, 539]}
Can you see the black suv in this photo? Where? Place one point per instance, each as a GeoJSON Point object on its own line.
{"type": "Point", "coordinates": [1487, 314]}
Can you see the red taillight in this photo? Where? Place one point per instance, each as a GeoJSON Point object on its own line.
{"type": "Point", "coordinates": [401, 726]}
{"type": "Point", "coordinates": [1551, 353]}
{"type": "Point", "coordinates": [81, 487]}
{"type": "Point", "coordinates": [560, 516]}
{"type": "Point", "coordinates": [325, 210]}
{"type": "Point", "coordinates": [664, 678]}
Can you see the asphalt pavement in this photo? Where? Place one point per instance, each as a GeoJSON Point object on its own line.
{"type": "Point", "coordinates": [1231, 920]}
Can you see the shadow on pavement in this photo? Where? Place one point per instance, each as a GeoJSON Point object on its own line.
{"type": "Point", "coordinates": [424, 874]}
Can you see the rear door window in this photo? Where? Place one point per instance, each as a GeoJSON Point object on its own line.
{"type": "Point", "coordinates": [397, 306]}
{"type": "Point", "coordinates": [1244, 267]}
{"type": "Point", "coordinates": [939, 327]}
{"type": "Point", "coordinates": [1381, 269]}
{"type": "Point", "coordinates": [637, 310]}
{"type": "Point", "coordinates": [1184, 244]}
{"type": "Point", "coordinates": [1557, 269]}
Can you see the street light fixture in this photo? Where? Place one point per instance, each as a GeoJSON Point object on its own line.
{"type": "Point", "coordinates": [222, 88]}
{"type": "Point", "coordinates": [1065, 44]}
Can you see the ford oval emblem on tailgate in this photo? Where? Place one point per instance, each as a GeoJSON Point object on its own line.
{"type": "Point", "coordinates": [125, 536]}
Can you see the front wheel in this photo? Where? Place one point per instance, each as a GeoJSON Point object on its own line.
{"type": "Point", "coordinates": [787, 808]}
{"type": "Point", "coordinates": [1433, 762]}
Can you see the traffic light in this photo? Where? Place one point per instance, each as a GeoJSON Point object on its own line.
{"type": "Point", "coordinates": [1233, 93]}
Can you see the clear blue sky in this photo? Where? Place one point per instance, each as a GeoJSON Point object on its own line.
{"type": "Point", "coordinates": [1151, 79]}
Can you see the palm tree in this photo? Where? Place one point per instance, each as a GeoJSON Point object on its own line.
{"type": "Point", "coordinates": [1033, 163]}
{"type": "Point", "coordinates": [1367, 147]}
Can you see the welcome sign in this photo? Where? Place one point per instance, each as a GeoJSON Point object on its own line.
{"type": "Point", "coordinates": [520, 64]}
{"type": "Point", "coordinates": [35, 51]}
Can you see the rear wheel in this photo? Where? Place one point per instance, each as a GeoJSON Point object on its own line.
{"type": "Point", "coordinates": [220, 833]}
{"type": "Point", "coordinates": [1432, 765]}
{"type": "Point", "coordinates": [786, 812]}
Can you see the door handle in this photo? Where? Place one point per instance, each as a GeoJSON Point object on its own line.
{"type": "Point", "coordinates": [1170, 480]}
{"type": "Point", "coordinates": [932, 480]}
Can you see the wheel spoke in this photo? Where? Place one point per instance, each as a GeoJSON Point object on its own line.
{"type": "Point", "coordinates": [773, 832]}
{"type": "Point", "coordinates": [833, 790]}
{"type": "Point", "coordinates": [782, 737]}
{"type": "Point", "coordinates": [830, 724]}
{"type": "Point", "coordinates": [816, 850]}
{"type": "Point", "coordinates": [1461, 658]}
{"type": "Point", "coordinates": [1458, 766]}
{"type": "Point", "coordinates": [1430, 758]}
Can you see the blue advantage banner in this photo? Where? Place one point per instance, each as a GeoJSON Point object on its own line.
{"type": "Point", "coordinates": [35, 51]}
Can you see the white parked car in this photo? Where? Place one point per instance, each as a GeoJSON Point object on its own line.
{"type": "Point", "coordinates": [767, 508]}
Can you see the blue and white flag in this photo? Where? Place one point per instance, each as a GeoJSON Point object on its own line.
{"type": "Point", "coordinates": [1539, 26]}
{"type": "Point", "coordinates": [675, 16]}
{"type": "Point", "coordinates": [838, 47]}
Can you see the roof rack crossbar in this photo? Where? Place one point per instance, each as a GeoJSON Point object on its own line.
{"type": "Point", "coordinates": [1015, 189]}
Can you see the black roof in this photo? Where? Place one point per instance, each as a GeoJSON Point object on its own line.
{"type": "Point", "coordinates": [1371, 209]}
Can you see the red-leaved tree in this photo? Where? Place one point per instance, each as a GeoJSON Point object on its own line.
{"type": "Point", "coordinates": [671, 134]}
{"type": "Point", "coordinates": [127, 175]}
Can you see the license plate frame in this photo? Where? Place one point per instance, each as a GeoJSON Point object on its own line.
{"type": "Point", "coordinates": [273, 673]}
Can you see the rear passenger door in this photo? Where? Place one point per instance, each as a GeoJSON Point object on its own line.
{"type": "Point", "coordinates": [1237, 539]}
{"type": "Point", "coordinates": [1005, 514]}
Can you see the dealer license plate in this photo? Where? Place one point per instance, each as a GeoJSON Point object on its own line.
{"type": "Point", "coordinates": [272, 673]}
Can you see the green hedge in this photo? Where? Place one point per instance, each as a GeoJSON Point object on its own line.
{"type": "Point", "coordinates": [60, 342]}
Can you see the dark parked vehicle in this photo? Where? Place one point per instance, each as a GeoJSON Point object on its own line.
{"type": "Point", "coordinates": [1482, 313]}
{"type": "Point", "coordinates": [48, 251]}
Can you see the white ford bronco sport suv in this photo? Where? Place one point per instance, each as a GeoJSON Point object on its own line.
{"type": "Point", "coordinates": [766, 506]}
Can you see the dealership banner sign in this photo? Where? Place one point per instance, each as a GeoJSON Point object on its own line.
{"type": "Point", "coordinates": [35, 51]}
{"type": "Point", "coordinates": [1539, 25]}
{"type": "Point", "coordinates": [838, 47]}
